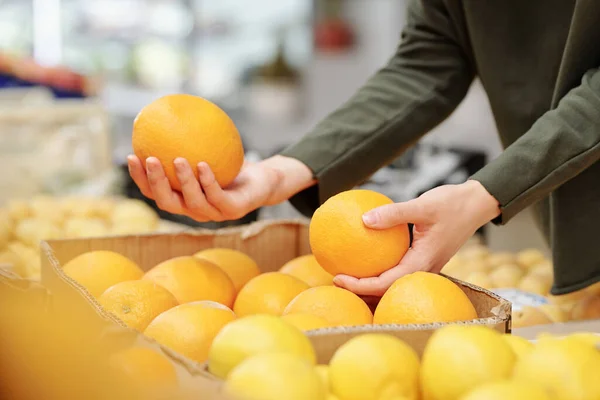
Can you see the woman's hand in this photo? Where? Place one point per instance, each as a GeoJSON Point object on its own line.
{"type": "Point", "coordinates": [444, 219]}
{"type": "Point", "coordinates": [259, 184]}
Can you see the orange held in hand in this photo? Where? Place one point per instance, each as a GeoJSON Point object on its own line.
{"type": "Point", "coordinates": [192, 128]}
{"type": "Point", "coordinates": [342, 244]}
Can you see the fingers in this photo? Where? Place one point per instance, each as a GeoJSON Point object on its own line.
{"type": "Point", "coordinates": [195, 201]}
{"type": "Point", "coordinates": [138, 174]}
{"type": "Point", "coordinates": [164, 196]}
{"type": "Point", "coordinates": [215, 195]}
{"type": "Point", "coordinates": [412, 261]}
{"type": "Point", "coordinates": [390, 215]}
{"type": "Point", "coordinates": [362, 287]}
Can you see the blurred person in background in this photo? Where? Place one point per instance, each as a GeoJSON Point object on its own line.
{"type": "Point", "coordinates": [538, 61]}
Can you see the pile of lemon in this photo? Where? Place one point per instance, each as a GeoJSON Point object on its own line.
{"type": "Point", "coordinates": [262, 357]}
{"type": "Point", "coordinates": [25, 223]}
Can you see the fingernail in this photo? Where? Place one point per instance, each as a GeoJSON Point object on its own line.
{"type": "Point", "coordinates": [178, 164]}
{"type": "Point", "coordinates": [337, 281]}
{"type": "Point", "coordinates": [369, 218]}
{"type": "Point", "coordinates": [131, 158]}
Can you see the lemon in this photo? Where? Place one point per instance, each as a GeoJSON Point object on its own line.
{"type": "Point", "coordinates": [374, 366]}
{"type": "Point", "coordinates": [275, 376]}
{"type": "Point", "coordinates": [305, 321]}
{"type": "Point", "coordinates": [504, 390]}
{"type": "Point", "coordinates": [459, 358]}
{"type": "Point", "coordinates": [520, 346]}
{"type": "Point", "coordinates": [323, 372]}
{"type": "Point", "coordinates": [252, 335]}
{"type": "Point", "coordinates": [568, 369]}
{"type": "Point", "coordinates": [587, 337]}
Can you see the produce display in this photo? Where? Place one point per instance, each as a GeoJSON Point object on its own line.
{"type": "Point", "coordinates": [185, 301]}
{"type": "Point", "coordinates": [24, 224]}
{"type": "Point", "coordinates": [529, 271]}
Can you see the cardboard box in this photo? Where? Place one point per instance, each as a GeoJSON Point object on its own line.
{"type": "Point", "coordinates": [271, 244]}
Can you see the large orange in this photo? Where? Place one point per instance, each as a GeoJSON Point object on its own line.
{"type": "Point", "coordinates": [99, 270]}
{"type": "Point", "coordinates": [192, 279]}
{"type": "Point", "coordinates": [307, 269]}
{"type": "Point", "coordinates": [268, 293]}
{"type": "Point", "coordinates": [239, 266]}
{"type": "Point", "coordinates": [342, 244]}
{"type": "Point", "coordinates": [187, 126]}
{"type": "Point", "coordinates": [190, 328]}
{"type": "Point", "coordinates": [339, 307]}
{"type": "Point", "coordinates": [423, 298]}
{"type": "Point", "coordinates": [136, 303]}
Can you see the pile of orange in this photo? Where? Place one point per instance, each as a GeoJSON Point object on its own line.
{"type": "Point", "coordinates": [184, 302]}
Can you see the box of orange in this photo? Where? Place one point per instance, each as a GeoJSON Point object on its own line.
{"type": "Point", "coordinates": [271, 244]}
{"type": "Point", "coordinates": [46, 342]}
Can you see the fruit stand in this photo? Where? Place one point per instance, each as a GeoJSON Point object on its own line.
{"type": "Point", "coordinates": [101, 299]}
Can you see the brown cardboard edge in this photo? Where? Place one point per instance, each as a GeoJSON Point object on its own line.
{"type": "Point", "coordinates": [245, 231]}
{"type": "Point", "coordinates": [56, 280]}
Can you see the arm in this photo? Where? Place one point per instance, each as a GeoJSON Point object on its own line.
{"type": "Point", "coordinates": [420, 86]}
{"type": "Point", "coordinates": [560, 145]}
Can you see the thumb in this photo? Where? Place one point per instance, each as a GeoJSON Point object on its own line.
{"type": "Point", "coordinates": [391, 215]}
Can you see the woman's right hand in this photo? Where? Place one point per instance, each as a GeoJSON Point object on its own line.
{"type": "Point", "coordinates": [264, 183]}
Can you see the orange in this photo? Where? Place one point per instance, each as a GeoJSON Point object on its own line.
{"type": "Point", "coordinates": [307, 269]}
{"type": "Point", "coordinates": [240, 267]}
{"type": "Point", "coordinates": [190, 328]}
{"type": "Point", "coordinates": [143, 366]}
{"type": "Point", "coordinates": [268, 293]}
{"type": "Point", "coordinates": [337, 306]}
{"type": "Point", "coordinates": [342, 244]}
{"type": "Point", "coordinates": [99, 270]}
{"type": "Point", "coordinates": [137, 302]}
{"type": "Point", "coordinates": [306, 322]}
{"type": "Point", "coordinates": [190, 127]}
{"type": "Point", "coordinates": [192, 279]}
{"type": "Point", "coordinates": [423, 298]}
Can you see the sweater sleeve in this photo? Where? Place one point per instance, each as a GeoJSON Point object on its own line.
{"type": "Point", "coordinates": [561, 144]}
{"type": "Point", "coordinates": [423, 82]}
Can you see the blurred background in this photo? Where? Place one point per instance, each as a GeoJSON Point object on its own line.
{"type": "Point", "coordinates": [74, 74]}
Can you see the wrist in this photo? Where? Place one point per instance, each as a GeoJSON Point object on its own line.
{"type": "Point", "coordinates": [484, 205]}
{"type": "Point", "coordinates": [293, 177]}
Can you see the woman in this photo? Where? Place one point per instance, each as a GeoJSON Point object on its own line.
{"type": "Point", "coordinates": [538, 62]}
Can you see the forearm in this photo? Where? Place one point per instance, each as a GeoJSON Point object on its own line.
{"type": "Point", "coordinates": [420, 86]}
{"type": "Point", "coordinates": [560, 145]}
{"type": "Point", "coordinates": [294, 176]}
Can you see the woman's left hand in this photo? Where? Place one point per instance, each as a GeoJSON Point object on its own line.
{"type": "Point", "coordinates": [444, 219]}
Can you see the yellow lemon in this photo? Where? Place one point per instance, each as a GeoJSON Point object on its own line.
{"type": "Point", "coordinates": [256, 334]}
{"type": "Point", "coordinates": [520, 346]}
{"type": "Point", "coordinates": [507, 390]}
{"type": "Point", "coordinates": [323, 372]}
{"type": "Point", "coordinates": [458, 358]}
{"type": "Point", "coordinates": [374, 366]}
{"type": "Point", "coordinates": [566, 368]}
{"type": "Point", "coordinates": [275, 376]}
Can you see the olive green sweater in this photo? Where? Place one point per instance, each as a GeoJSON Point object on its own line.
{"type": "Point", "coordinates": [538, 62]}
